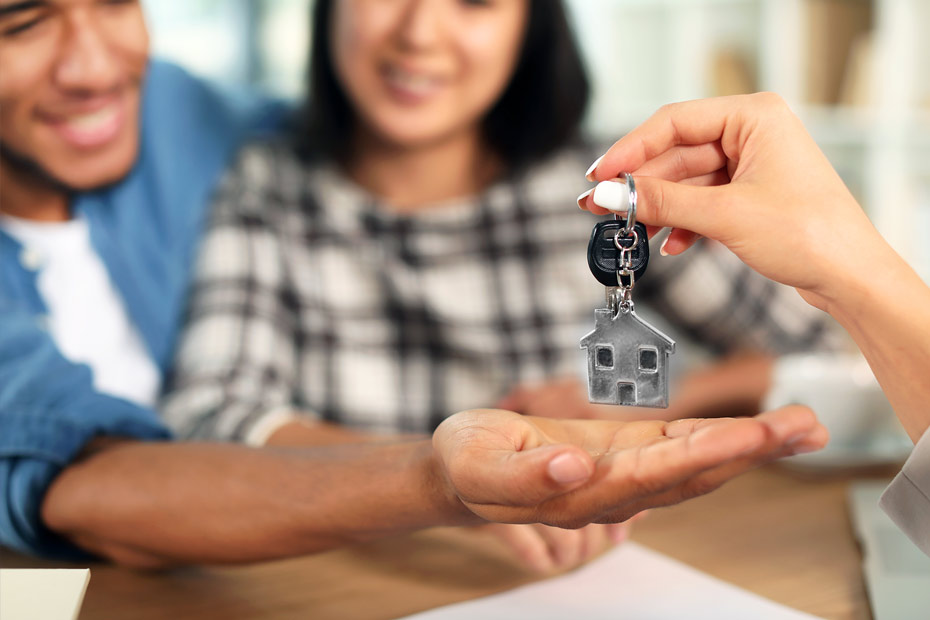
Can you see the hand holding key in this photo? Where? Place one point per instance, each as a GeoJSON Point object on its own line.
{"type": "Point", "coordinates": [743, 171]}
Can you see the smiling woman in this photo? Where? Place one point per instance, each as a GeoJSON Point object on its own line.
{"type": "Point", "coordinates": [408, 97]}
{"type": "Point", "coordinates": [69, 114]}
{"type": "Point", "coordinates": [498, 72]}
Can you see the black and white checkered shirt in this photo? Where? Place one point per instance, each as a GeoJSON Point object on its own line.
{"type": "Point", "coordinates": [313, 297]}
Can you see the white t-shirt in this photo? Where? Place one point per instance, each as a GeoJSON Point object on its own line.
{"type": "Point", "coordinates": [86, 314]}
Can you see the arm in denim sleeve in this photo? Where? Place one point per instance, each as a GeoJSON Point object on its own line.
{"type": "Point", "coordinates": [49, 410]}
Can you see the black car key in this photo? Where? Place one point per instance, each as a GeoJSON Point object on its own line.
{"type": "Point", "coordinates": [604, 255]}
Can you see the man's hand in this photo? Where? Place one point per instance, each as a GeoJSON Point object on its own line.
{"type": "Point", "coordinates": [544, 549]}
{"type": "Point", "coordinates": [510, 468]}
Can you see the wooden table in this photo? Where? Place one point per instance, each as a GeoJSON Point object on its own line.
{"type": "Point", "coordinates": [778, 534]}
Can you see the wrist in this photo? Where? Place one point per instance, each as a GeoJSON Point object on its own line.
{"type": "Point", "coordinates": [436, 485]}
{"type": "Point", "coordinates": [855, 289]}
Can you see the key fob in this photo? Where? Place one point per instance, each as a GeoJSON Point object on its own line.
{"type": "Point", "coordinates": [604, 257]}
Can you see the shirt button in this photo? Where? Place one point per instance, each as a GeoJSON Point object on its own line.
{"type": "Point", "coordinates": [30, 259]}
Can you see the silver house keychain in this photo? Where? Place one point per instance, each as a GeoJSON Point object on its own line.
{"type": "Point", "coordinates": [628, 359]}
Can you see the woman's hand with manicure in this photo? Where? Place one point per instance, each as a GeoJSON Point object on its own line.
{"type": "Point", "coordinates": [744, 171]}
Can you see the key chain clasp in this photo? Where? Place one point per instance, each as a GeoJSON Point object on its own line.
{"type": "Point", "coordinates": [623, 299]}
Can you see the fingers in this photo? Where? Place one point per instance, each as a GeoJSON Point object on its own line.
{"type": "Point", "coordinates": [618, 533]}
{"type": "Point", "coordinates": [717, 177]}
{"type": "Point", "coordinates": [788, 431]}
{"type": "Point", "coordinates": [688, 123]}
{"type": "Point", "coordinates": [685, 162]}
{"type": "Point", "coordinates": [642, 472]}
{"type": "Point", "coordinates": [698, 208]}
{"type": "Point", "coordinates": [712, 479]}
{"type": "Point", "coordinates": [815, 440]}
{"type": "Point", "coordinates": [783, 426]}
{"type": "Point", "coordinates": [568, 548]}
{"type": "Point", "coordinates": [655, 467]}
{"type": "Point", "coordinates": [518, 478]}
{"type": "Point", "coordinates": [722, 119]}
{"type": "Point", "coordinates": [678, 241]}
{"type": "Point", "coordinates": [543, 548]}
{"type": "Point", "coordinates": [528, 544]}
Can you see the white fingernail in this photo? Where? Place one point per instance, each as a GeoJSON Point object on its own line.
{"type": "Point", "coordinates": [584, 195]}
{"type": "Point", "coordinates": [662, 247]}
{"type": "Point", "coordinates": [612, 196]}
{"type": "Point", "coordinates": [593, 167]}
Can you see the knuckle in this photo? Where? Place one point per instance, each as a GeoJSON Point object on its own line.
{"type": "Point", "coordinates": [641, 480]}
{"type": "Point", "coordinates": [645, 485]}
{"type": "Point", "coordinates": [667, 109]}
{"type": "Point", "coordinates": [568, 523]}
{"type": "Point", "coordinates": [700, 486]}
{"type": "Point", "coordinates": [681, 165]}
{"type": "Point", "coordinates": [617, 516]}
{"type": "Point", "coordinates": [656, 201]}
{"type": "Point", "coordinates": [770, 102]}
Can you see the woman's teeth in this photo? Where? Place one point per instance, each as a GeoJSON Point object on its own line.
{"type": "Point", "coordinates": [414, 83]}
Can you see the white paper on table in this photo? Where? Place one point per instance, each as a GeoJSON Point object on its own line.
{"type": "Point", "coordinates": [628, 582]}
{"type": "Point", "coordinates": [42, 594]}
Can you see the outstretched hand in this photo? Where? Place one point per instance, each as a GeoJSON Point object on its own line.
{"type": "Point", "coordinates": [510, 468]}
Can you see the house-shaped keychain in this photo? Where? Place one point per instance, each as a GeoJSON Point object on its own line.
{"type": "Point", "coordinates": [627, 360]}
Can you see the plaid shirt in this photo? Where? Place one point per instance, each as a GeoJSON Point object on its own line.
{"type": "Point", "coordinates": [313, 297]}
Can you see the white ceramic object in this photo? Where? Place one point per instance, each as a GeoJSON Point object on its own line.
{"type": "Point", "coordinates": [847, 399]}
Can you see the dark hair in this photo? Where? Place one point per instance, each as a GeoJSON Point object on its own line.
{"type": "Point", "coordinates": [539, 112]}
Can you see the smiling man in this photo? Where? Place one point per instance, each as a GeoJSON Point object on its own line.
{"type": "Point", "coordinates": [102, 196]}
{"type": "Point", "coordinates": [106, 163]}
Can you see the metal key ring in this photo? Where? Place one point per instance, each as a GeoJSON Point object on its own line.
{"type": "Point", "coordinates": [631, 214]}
{"type": "Point", "coordinates": [626, 233]}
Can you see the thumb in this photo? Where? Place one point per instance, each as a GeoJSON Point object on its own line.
{"type": "Point", "coordinates": [522, 478]}
{"type": "Point", "coordinates": [665, 203]}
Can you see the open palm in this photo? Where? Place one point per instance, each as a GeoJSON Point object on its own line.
{"type": "Point", "coordinates": [518, 469]}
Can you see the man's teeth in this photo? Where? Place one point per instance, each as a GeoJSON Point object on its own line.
{"type": "Point", "coordinates": [94, 120]}
{"type": "Point", "coordinates": [416, 83]}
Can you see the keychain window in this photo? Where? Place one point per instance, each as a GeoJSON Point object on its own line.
{"type": "Point", "coordinates": [605, 357]}
{"type": "Point", "coordinates": [648, 359]}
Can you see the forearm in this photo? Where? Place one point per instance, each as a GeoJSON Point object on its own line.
{"type": "Point", "coordinates": [886, 310]}
{"type": "Point", "coordinates": [301, 433]}
{"type": "Point", "coordinates": [154, 504]}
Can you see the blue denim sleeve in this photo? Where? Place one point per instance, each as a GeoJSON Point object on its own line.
{"type": "Point", "coordinates": [48, 411]}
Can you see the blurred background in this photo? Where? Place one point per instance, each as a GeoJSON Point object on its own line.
{"type": "Point", "coordinates": [856, 71]}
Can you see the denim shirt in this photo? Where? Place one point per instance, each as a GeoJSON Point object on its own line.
{"type": "Point", "coordinates": [145, 229]}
